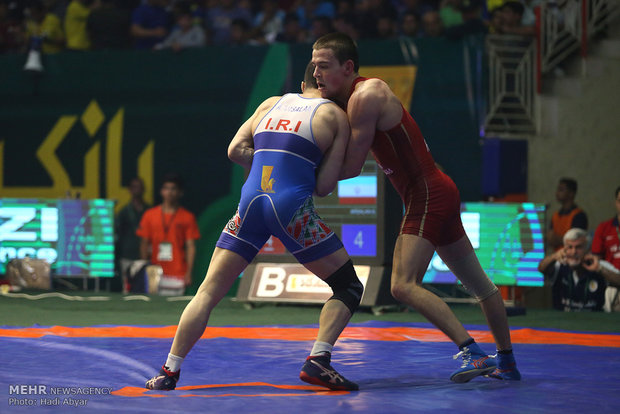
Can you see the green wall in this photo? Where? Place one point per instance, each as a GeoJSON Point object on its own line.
{"type": "Point", "coordinates": [164, 111]}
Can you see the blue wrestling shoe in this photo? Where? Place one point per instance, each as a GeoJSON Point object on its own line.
{"type": "Point", "coordinates": [318, 371]}
{"type": "Point", "coordinates": [165, 380]}
{"type": "Point", "coordinates": [506, 368]}
{"type": "Point", "coordinates": [475, 363]}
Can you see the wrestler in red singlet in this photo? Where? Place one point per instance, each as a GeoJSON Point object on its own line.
{"type": "Point", "coordinates": [432, 202]}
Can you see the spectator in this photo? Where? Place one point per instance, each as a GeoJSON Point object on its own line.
{"type": "Point", "coordinates": [410, 24]}
{"type": "Point", "coordinates": [606, 242]}
{"type": "Point", "coordinates": [169, 231]}
{"type": "Point", "coordinates": [220, 18]}
{"type": "Point", "coordinates": [308, 10]}
{"type": "Point", "coordinates": [450, 13]}
{"type": "Point", "coordinates": [292, 31]}
{"type": "Point", "coordinates": [268, 22]}
{"type": "Point", "coordinates": [45, 25]}
{"type": "Point", "coordinates": [471, 13]}
{"type": "Point", "coordinates": [568, 216]}
{"type": "Point", "coordinates": [512, 12]}
{"type": "Point", "coordinates": [496, 20]}
{"type": "Point", "coordinates": [386, 26]}
{"type": "Point", "coordinates": [369, 14]}
{"type": "Point", "coordinates": [576, 279]}
{"type": "Point", "coordinates": [108, 26]}
{"type": "Point", "coordinates": [431, 24]}
{"type": "Point", "coordinates": [321, 25]}
{"type": "Point", "coordinates": [75, 24]}
{"type": "Point", "coordinates": [606, 246]}
{"type": "Point", "coordinates": [240, 32]}
{"type": "Point", "coordinates": [149, 24]}
{"type": "Point", "coordinates": [345, 23]}
{"type": "Point", "coordinates": [127, 223]}
{"type": "Point", "coordinates": [186, 34]}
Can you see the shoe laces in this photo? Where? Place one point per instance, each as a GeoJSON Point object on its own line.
{"type": "Point", "coordinates": [465, 354]}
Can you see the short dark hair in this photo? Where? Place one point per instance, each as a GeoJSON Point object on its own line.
{"type": "Point", "coordinates": [342, 45]}
{"type": "Point", "coordinates": [617, 191]}
{"type": "Point", "coordinates": [570, 183]}
{"type": "Point", "coordinates": [309, 76]}
{"type": "Point", "coordinates": [173, 178]}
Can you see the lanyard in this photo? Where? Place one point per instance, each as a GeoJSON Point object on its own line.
{"type": "Point", "coordinates": [163, 222]}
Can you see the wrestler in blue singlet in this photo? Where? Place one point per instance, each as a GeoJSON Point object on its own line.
{"type": "Point", "coordinates": [276, 199]}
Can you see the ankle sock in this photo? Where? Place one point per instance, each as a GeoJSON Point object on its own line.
{"type": "Point", "coordinates": [173, 363]}
{"type": "Point", "coordinates": [321, 348]}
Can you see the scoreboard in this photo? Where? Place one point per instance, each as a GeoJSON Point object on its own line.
{"type": "Point", "coordinates": [75, 236]}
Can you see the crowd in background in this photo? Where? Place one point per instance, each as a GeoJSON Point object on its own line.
{"type": "Point", "coordinates": [81, 25]}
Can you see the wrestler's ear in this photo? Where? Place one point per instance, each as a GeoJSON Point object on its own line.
{"type": "Point", "coordinates": [349, 67]}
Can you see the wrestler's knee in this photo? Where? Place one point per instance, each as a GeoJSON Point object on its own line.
{"type": "Point", "coordinates": [403, 289]}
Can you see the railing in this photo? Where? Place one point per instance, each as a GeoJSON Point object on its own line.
{"type": "Point", "coordinates": [516, 68]}
{"type": "Point", "coordinates": [511, 85]}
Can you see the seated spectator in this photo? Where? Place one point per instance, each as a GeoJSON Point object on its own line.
{"type": "Point", "coordinates": [45, 25]}
{"type": "Point", "coordinates": [268, 22]}
{"type": "Point", "coordinates": [220, 18]}
{"type": "Point", "coordinates": [292, 31]}
{"type": "Point", "coordinates": [386, 26]}
{"type": "Point", "coordinates": [431, 24]}
{"type": "Point", "coordinates": [496, 20]}
{"type": "Point", "coordinates": [568, 216]}
{"type": "Point", "coordinates": [410, 24]}
{"type": "Point", "coordinates": [575, 275]}
{"type": "Point", "coordinates": [321, 25]}
{"type": "Point", "coordinates": [450, 13]}
{"type": "Point", "coordinates": [346, 23]}
{"type": "Point", "coordinates": [108, 26]}
{"type": "Point", "coordinates": [186, 34]}
{"type": "Point", "coordinates": [472, 22]}
{"type": "Point", "coordinates": [369, 13]}
{"type": "Point", "coordinates": [240, 33]}
{"type": "Point", "coordinates": [512, 20]}
{"type": "Point", "coordinates": [149, 24]}
{"type": "Point", "coordinates": [12, 35]}
{"type": "Point", "coordinates": [75, 24]}
{"type": "Point", "coordinates": [606, 246]}
{"type": "Point", "coordinates": [308, 10]}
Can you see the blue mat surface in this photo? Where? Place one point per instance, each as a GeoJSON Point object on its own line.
{"type": "Point", "coordinates": [223, 375]}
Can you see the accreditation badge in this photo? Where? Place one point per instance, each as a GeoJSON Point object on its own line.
{"type": "Point", "coordinates": [164, 254]}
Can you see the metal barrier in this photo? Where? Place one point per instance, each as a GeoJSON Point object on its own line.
{"type": "Point", "coordinates": [517, 65]}
{"type": "Point", "coordinates": [511, 85]}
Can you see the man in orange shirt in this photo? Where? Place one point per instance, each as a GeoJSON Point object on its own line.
{"type": "Point", "coordinates": [567, 217]}
{"type": "Point", "coordinates": [169, 231]}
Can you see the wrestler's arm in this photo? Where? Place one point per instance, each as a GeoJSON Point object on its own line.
{"type": "Point", "coordinates": [329, 171]}
{"type": "Point", "coordinates": [241, 147]}
{"type": "Point", "coordinates": [364, 108]}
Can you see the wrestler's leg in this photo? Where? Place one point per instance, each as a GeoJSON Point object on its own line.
{"type": "Point", "coordinates": [335, 314]}
{"type": "Point", "coordinates": [223, 270]}
{"type": "Point", "coordinates": [411, 257]}
{"type": "Point", "coordinates": [461, 259]}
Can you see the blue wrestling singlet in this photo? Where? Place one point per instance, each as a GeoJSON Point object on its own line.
{"type": "Point", "coordinates": [276, 199]}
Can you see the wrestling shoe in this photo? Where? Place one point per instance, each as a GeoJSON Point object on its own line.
{"type": "Point", "coordinates": [506, 368]}
{"type": "Point", "coordinates": [318, 371]}
{"type": "Point", "coordinates": [475, 363]}
{"type": "Point", "coordinates": [165, 380]}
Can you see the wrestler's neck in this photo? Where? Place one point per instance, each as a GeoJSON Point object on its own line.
{"type": "Point", "coordinates": [345, 92]}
